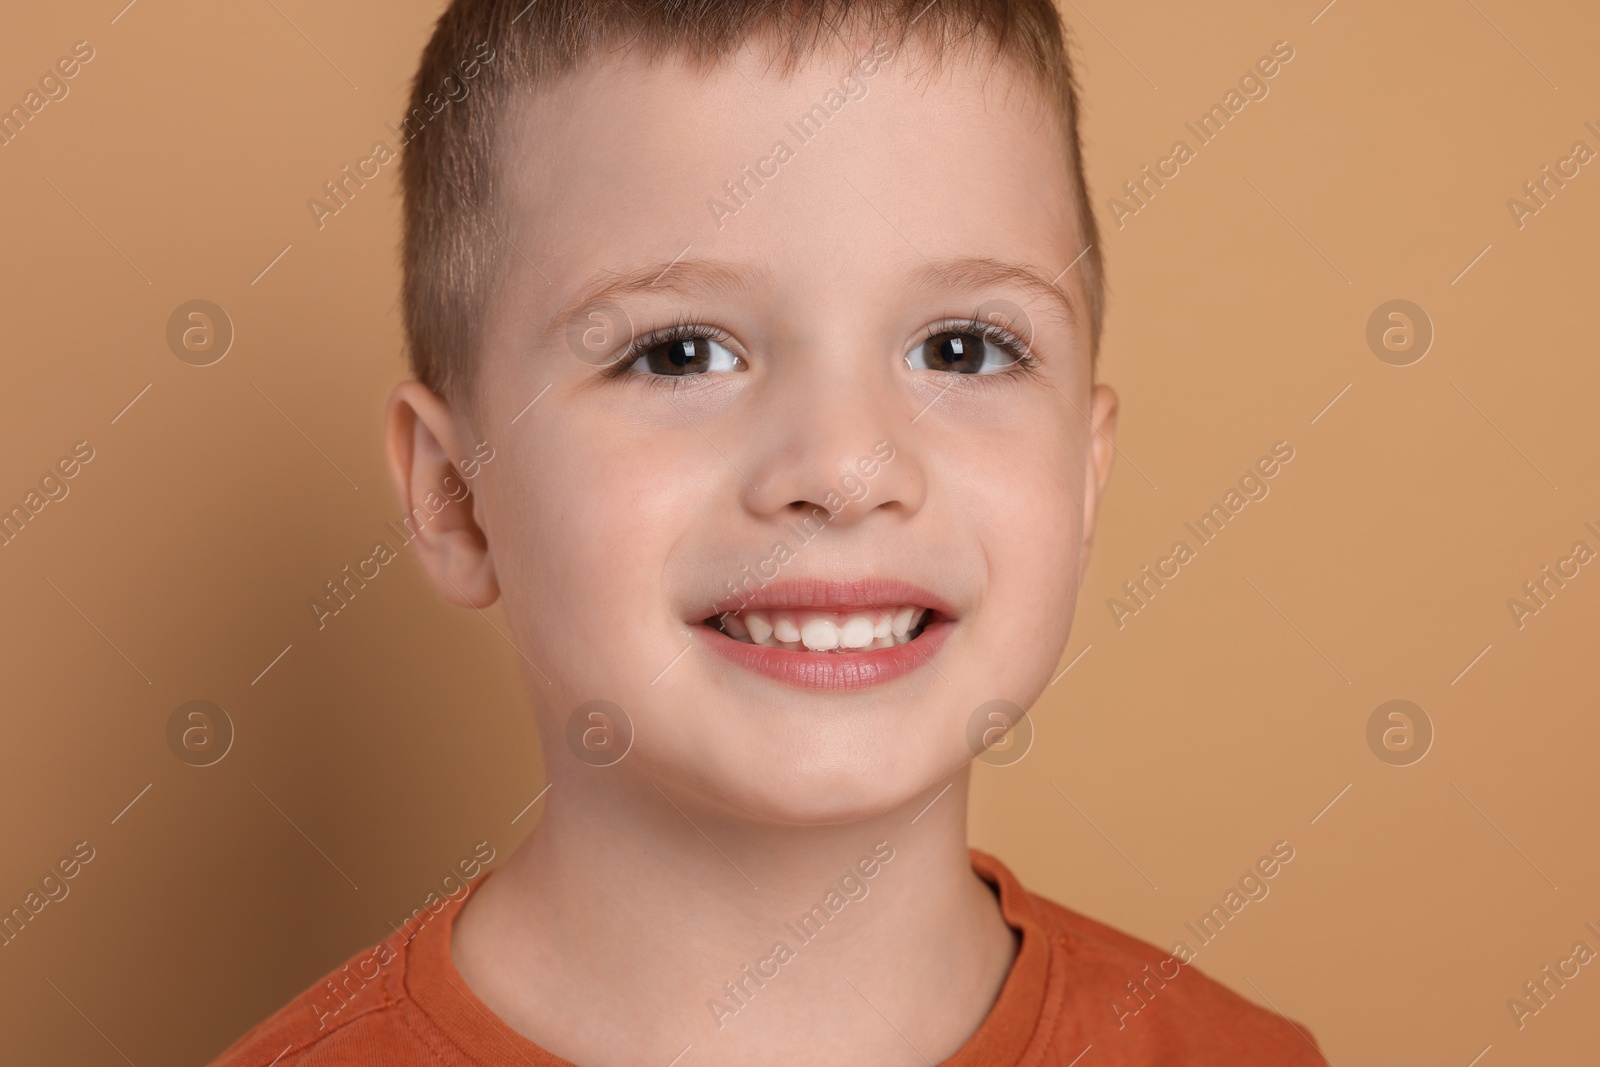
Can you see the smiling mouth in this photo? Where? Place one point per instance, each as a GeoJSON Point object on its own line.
{"type": "Point", "coordinates": [818, 630]}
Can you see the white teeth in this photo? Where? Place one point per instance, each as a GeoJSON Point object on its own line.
{"type": "Point", "coordinates": [825, 631]}
{"type": "Point", "coordinates": [819, 635]}
{"type": "Point", "coordinates": [857, 632]}
{"type": "Point", "coordinates": [901, 624]}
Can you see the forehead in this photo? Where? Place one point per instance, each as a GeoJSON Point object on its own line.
{"type": "Point", "coordinates": [844, 175]}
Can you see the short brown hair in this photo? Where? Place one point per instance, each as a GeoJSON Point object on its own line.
{"type": "Point", "coordinates": [489, 49]}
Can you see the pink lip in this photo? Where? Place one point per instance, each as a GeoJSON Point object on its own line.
{"type": "Point", "coordinates": [861, 594]}
{"type": "Point", "coordinates": [834, 670]}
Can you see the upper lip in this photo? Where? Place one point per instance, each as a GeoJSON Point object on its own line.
{"type": "Point", "coordinates": [822, 594]}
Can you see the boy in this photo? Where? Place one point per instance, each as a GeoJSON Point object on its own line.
{"type": "Point", "coordinates": [779, 318]}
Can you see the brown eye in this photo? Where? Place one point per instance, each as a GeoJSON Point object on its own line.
{"type": "Point", "coordinates": [688, 356]}
{"type": "Point", "coordinates": [960, 352]}
{"type": "Point", "coordinates": [685, 356]}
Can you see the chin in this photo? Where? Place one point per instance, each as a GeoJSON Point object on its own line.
{"type": "Point", "coordinates": [819, 776]}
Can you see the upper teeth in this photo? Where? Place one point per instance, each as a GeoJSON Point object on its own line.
{"type": "Point", "coordinates": [825, 631]}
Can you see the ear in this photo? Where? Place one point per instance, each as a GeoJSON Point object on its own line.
{"type": "Point", "coordinates": [1097, 462]}
{"type": "Point", "coordinates": [421, 439]}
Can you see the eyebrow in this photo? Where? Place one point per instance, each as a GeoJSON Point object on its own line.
{"type": "Point", "coordinates": [982, 272]}
{"type": "Point", "coordinates": [678, 277]}
{"type": "Point", "coordinates": [699, 277]}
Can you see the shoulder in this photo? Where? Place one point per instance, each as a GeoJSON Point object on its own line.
{"type": "Point", "coordinates": [356, 1010]}
{"type": "Point", "coordinates": [1141, 987]}
{"type": "Point", "coordinates": [1151, 1004]}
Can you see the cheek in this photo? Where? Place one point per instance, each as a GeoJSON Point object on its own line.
{"type": "Point", "coordinates": [1022, 499]}
{"type": "Point", "coordinates": [1022, 491]}
{"type": "Point", "coordinates": [580, 536]}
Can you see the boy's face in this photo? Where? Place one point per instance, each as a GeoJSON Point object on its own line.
{"type": "Point", "coordinates": [838, 403]}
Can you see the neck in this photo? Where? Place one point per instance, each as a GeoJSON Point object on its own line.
{"type": "Point", "coordinates": [703, 927]}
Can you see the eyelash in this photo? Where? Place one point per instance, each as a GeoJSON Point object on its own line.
{"type": "Point", "coordinates": [683, 329]}
{"type": "Point", "coordinates": [1025, 362]}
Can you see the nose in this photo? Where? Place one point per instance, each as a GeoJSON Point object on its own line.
{"type": "Point", "coordinates": [836, 433]}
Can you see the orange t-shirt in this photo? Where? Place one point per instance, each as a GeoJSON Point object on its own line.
{"type": "Point", "coordinates": [1079, 993]}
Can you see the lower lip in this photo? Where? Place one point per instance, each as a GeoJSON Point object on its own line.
{"type": "Point", "coordinates": [832, 670]}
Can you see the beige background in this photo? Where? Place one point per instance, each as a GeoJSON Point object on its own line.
{"type": "Point", "coordinates": [1222, 718]}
